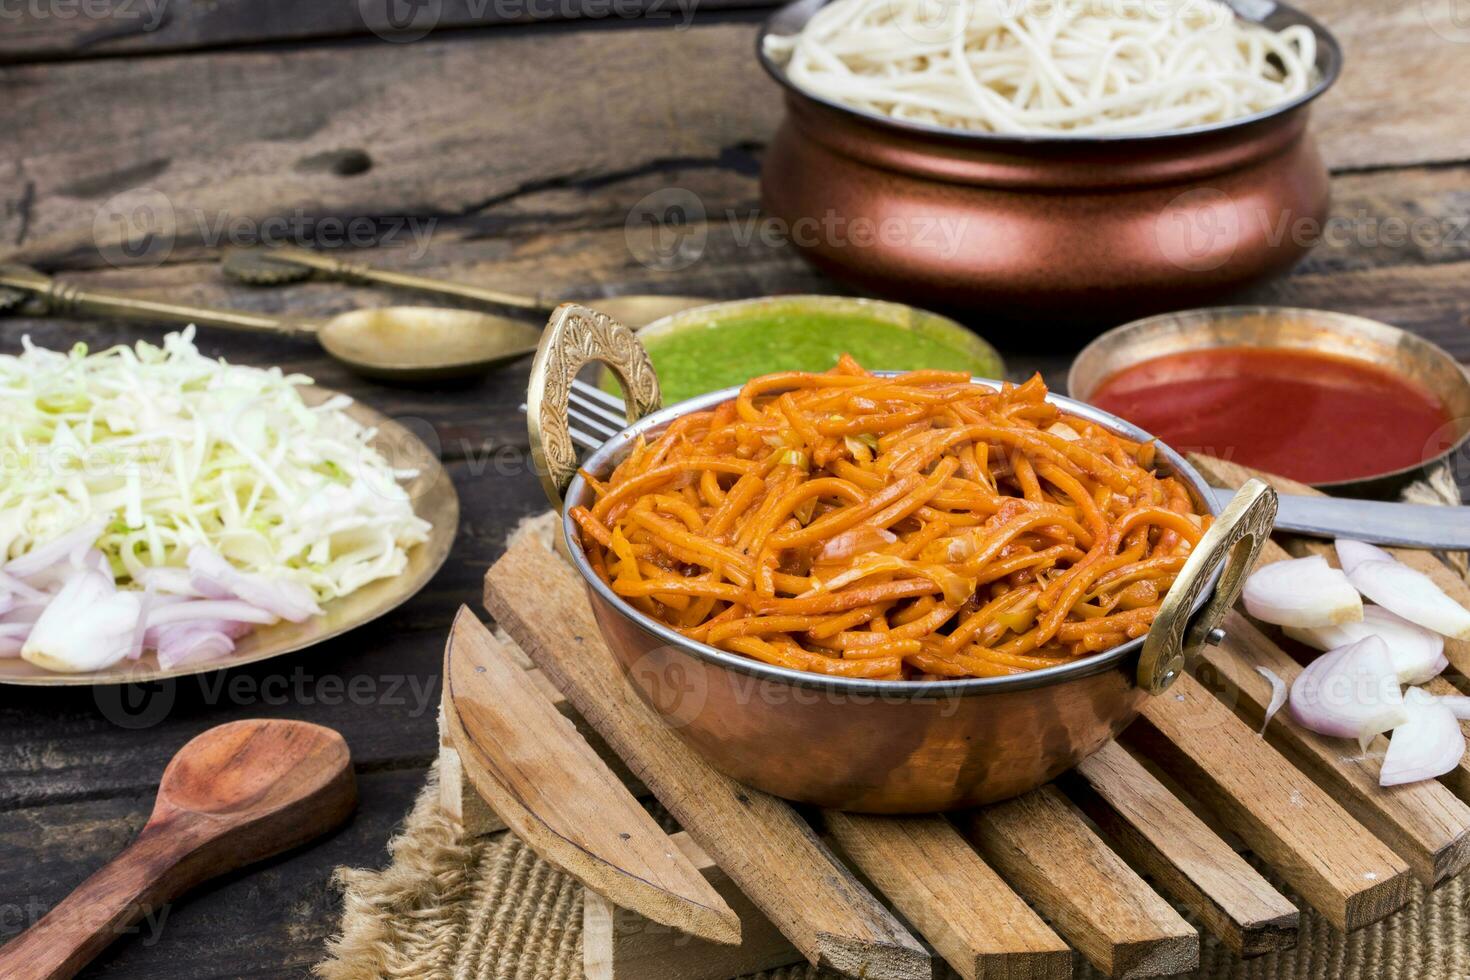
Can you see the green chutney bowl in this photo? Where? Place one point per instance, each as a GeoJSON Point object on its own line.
{"type": "Point", "coordinates": [721, 345]}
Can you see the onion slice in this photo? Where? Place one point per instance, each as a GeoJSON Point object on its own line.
{"type": "Point", "coordinates": [1351, 553]}
{"type": "Point", "coordinates": [1413, 595]}
{"type": "Point", "coordinates": [89, 625]}
{"type": "Point", "coordinates": [216, 578]}
{"type": "Point", "coordinates": [1278, 695]}
{"type": "Point", "coordinates": [72, 545]}
{"type": "Point", "coordinates": [1459, 704]}
{"type": "Point", "coordinates": [1428, 744]}
{"type": "Point", "coordinates": [1302, 592]}
{"type": "Point", "coordinates": [1349, 693]}
{"type": "Point", "coordinates": [1418, 654]}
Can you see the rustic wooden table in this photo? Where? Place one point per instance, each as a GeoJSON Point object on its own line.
{"type": "Point", "coordinates": [511, 154]}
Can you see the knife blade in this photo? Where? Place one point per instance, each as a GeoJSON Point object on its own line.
{"type": "Point", "coordinates": [1374, 521]}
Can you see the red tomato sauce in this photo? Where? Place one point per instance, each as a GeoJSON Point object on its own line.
{"type": "Point", "coordinates": [1314, 417]}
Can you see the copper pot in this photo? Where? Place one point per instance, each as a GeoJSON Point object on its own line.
{"type": "Point", "coordinates": [1082, 228]}
{"type": "Point", "coordinates": [873, 746]}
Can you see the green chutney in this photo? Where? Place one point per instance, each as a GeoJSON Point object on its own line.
{"type": "Point", "coordinates": [717, 352]}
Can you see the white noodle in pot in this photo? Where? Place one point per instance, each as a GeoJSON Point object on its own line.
{"type": "Point", "coordinates": [1048, 66]}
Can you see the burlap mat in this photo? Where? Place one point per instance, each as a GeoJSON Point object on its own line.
{"type": "Point", "coordinates": [447, 908]}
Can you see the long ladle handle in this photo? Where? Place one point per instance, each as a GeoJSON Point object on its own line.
{"type": "Point", "coordinates": [62, 298]}
{"type": "Point", "coordinates": [357, 272]}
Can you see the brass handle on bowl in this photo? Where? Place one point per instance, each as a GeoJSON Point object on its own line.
{"type": "Point", "coordinates": [574, 337]}
{"type": "Point", "coordinates": [1235, 541]}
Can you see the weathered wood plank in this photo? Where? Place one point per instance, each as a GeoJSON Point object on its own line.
{"type": "Point", "coordinates": [343, 131]}
{"type": "Point", "coordinates": [413, 135]}
{"type": "Point", "coordinates": [1042, 845]}
{"type": "Point", "coordinates": [152, 27]}
{"type": "Point", "coordinates": [1158, 834]}
{"type": "Point", "coordinates": [1362, 123]}
{"type": "Point", "coordinates": [1345, 872]}
{"type": "Point", "coordinates": [953, 898]}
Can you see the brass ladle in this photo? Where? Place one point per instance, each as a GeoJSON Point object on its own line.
{"type": "Point", "coordinates": [284, 264]}
{"type": "Point", "coordinates": [394, 343]}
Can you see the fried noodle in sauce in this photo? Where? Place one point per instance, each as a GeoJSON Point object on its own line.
{"type": "Point", "coordinates": [917, 527]}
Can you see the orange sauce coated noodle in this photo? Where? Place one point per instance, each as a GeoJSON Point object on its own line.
{"type": "Point", "coordinates": [909, 528]}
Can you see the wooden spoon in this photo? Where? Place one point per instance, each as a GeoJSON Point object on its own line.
{"type": "Point", "coordinates": [234, 795]}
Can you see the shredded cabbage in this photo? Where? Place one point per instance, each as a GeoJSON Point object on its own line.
{"type": "Point", "coordinates": [172, 449]}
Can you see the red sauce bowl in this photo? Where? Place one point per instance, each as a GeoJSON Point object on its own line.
{"type": "Point", "coordinates": [1347, 404]}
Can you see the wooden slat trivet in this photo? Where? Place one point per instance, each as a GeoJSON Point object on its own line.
{"type": "Point", "coordinates": [1427, 823]}
{"type": "Point", "coordinates": [559, 797]}
{"type": "Point", "coordinates": [1345, 872]}
{"type": "Point", "coordinates": [1384, 885]}
{"type": "Point", "coordinates": [1040, 843]}
{"type": "Point", "coordinates": [621, 945]}
{"type": "Point", "coordinates": [1158, 834]}
{"type": "Point", "coordinates": [967, 911]}
{"type": "Point", "coordinates": [757, 839]}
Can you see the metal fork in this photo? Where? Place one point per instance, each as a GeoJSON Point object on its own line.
{"type": "Point", "coordinates": [599, 413]}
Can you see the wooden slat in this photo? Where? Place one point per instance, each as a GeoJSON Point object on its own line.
{"type": "Point", "coordinates": [622, 945]}
{"type": "Point", "coordinates": [549, 786]}
{"type": "Point", "coordinates": [760, 841]}
{"type": "Point", "coordinates": [951, 896]}
{"type": "Point", "coordinates": [1423, 822]}
{"type": "Point", "coordinates": [1160, 836]}
{"type": "Point", "coordinates": [1042, 845]}
{"type": "Point", "coordinates": [1340, 868]}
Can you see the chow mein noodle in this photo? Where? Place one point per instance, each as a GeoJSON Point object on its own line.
{"type": "Point", "coordinates": [913, 527]}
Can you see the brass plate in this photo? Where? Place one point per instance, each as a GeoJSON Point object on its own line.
{"type": "Point", "coordinates": [434, 499]}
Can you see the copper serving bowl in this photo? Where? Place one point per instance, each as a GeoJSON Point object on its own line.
{"type": "Point", "coordinates": [1078, 228]}
{"type": "Point", "coordinates": [855, 744]}
{"type": "Point", "coordinates": [1410, 357]}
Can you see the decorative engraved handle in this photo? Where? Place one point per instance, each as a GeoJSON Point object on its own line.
{"type": "Point", "coordinates": [1234, 540]}
{"type": "Point", "coordinates": [575, 336]}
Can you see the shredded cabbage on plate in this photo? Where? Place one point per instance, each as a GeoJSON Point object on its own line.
{"type": "Point", "coordinates": [158, 454]}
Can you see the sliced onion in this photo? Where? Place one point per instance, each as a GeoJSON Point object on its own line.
{"type": "Point", "coordinates": [15, 588]}
{"type": "Point", "coordinates": [10, 647]}
{"type": "Point", "coordinates": [1428, 744]}
{"type": "Point", "coordinates": [1349, 693]}
{"type": "Point", "coordinates": [206, 609]}
{"type": "Point", "coordinates": [182, 643]}
{"type": "Point", "coordinates": [1352, 553]}
{"type": "Point", "coordinates": [217, 578]}
{"type": "Point", "coordinates": [1278, 695]}
{"type": "Point", "coordinates": [169, 580]}
{"type": "Point", "coordinates": [1302, 592]}
{"type": "Point", "coordinates": [89, 625]}
{"type": "Point", "coordinates": [1418, 654]}
{"type": "Point", "coordinates": [71, 545]}
{"type": "Point", "coordinates": [1412, 595]}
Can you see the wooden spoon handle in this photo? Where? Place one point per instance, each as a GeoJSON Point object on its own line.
{"type": "Point", "coordinates": [135, 885]}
